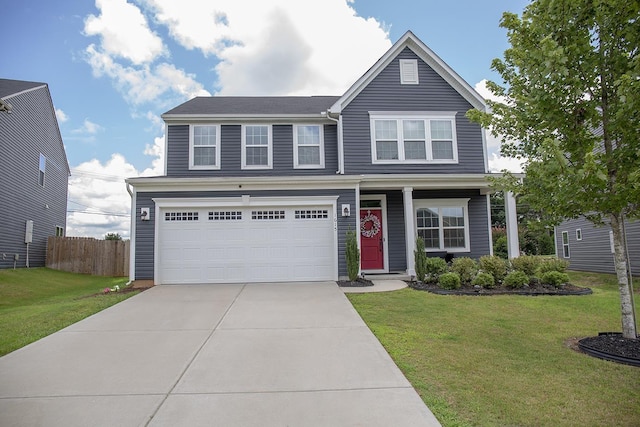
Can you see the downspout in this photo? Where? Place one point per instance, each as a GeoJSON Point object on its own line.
{"type": "Point", "coordinates": [132, 240]}
{"type": "Point", "coordinates": [338, 122]}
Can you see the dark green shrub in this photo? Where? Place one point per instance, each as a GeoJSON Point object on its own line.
{"type": "Point", "coordinates": [449, 281]}
{"type": "Point", "coordinates": [420, 258]}
{"type": "Point", "coordinates": [500, 247]}
{"type": "Point", "coordinates": [352, 255]}
{"type": "Point", "coordinates": [493, 265]}
{"type": "Point", "coordinates": [485, 280]}
{"type": "Point", "coordinates": [553, 264]}
{"type": "Point", "coordinates": [528, 264]}
{"type": "Point", "coordinates": [516, 279]}
{"type": "Point", "coordinates": [554, 278]}
{"type": "Point", "coordinates": [435, 267]}
{"type": "Point", "coordinates": [466, 269]}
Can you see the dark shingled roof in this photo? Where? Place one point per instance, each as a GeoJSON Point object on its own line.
{"type": "Point", "coordinates": [11, 87]}
{"type": "Point", "coordinates": [205, 105]}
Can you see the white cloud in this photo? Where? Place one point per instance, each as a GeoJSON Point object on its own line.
{"type": "Point", "coordinates": [88, 127]}
{"type": "Point", "coordinates": [498, 163]}
{"type": "Point", "coordinates": [61, 115]}
{"type": "Point", "coordinates": [124, 32]}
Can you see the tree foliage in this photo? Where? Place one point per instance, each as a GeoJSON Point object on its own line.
{"type": "Point", "coordinates": [112, 236]}
{"type": "Point", "coordinates": [571, 110]}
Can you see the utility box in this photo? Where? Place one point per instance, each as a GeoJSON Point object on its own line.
{"type": "Point", "coordinates": [28, 234]}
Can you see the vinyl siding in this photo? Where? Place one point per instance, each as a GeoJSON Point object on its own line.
{"type": "Point", "coordinates": [231, 153]}
{"type": "Point", "coordinates": [385, 93]}
{"type": "Point", "coordinates": [29, 130]}
{"type": "Point", "coordinates": [593, 252]}
{"type": "Point", "coordinates": [145, 230]}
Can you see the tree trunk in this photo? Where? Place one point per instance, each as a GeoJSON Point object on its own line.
{"type": "Point", "coordinates": [620, 259]}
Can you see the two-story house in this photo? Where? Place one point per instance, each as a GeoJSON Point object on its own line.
{"type": "Point", "coordinates": [34, 173]}
{"type": "Point", "coordinates": [266, 188]}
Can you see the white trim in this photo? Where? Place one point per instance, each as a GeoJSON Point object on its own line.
{"type": "Point", "coordinates": [445, 203]}
{"type": "Point", "coordinates": [485, 151]}
{"type": "Point", "coordinates": [269, 164]}
{"type": "Point", "coordinates": [320, 146]}
{"type": "Point", "coordinates": [566, 233]}
{"type": "Point", "coordinates": [166, 144]}
{"type": "Point", "coordinates": [578, 234]}
{"type": "Point", "coordinates": [192, 148]}
{"type": "Point", "coordinates": [489, 224]}
{"type": "Point", "coordinates": [11, 95]}
{"type": "Point", "coordinates": [511, 217]}
{"type": "Point", "coordinates": [427, 117]}
{"type": "Point", "coordinates": [410, 229]}
{"type": "Point", "coordinates": [340, 147]}
{"type": "Point", "coordinates": [409, 72]}
{"type": "Point", "coordinates": [385, 233]}
{"type": "Point", "coordinates": [235, 118]}
{"type": "Point", "coordinates": [132, 237]}
{"type": "Point", "coordinates": [357, 204]}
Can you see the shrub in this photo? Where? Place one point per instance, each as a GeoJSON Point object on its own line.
{"type": "Point", "coordinates": [485, 280]}
{"type": "Point", "coordinates": [554, 278]}
{"type": "Point", "coordinates": [528, 264]}
{"type": "Point", "coordinates": [435, 267]}
{"type": "Point", "coordinates": [553, 264]}
{"type": "Point", "coordinates": [516, 279]}
{"type": "Point", "coordinates": [352, 254]}
{"type": "Point", "coordinates": [449, 281]}
{"type": "Point", "coordinates": [420, 258]}
{"type": "Point", "coordinates": [500, 247]}
{"type": "Point", "coordinates": [493, 265]}
{"type": "Point", "coordinates": [466, 269]}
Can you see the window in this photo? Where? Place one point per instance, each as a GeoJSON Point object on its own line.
{"type": "Point", "coordinates": [312, 214]}
{"type": "Point", "coordinates": [409, 71]}
{"type": "Point", "coordinates": [565, 244]}
{"type": "Point", "coordinates": [443, 224]}
{"type": "Point", "coordinates": [417, 139]}
{"type": "Point", "coordinates": [204, 147]}
{"type": "Point", "coordinates": [225, 216]}
{"type": "Point", "coordinates": [43, 165]}
{"type": "Point", "coordinates": [59, 231]}
{"type": "Point", "coordinates": [256, 147]}
{"type": "Point", "coordinates": [259, 215]}
{"type": "Point", "coordinates": [578, 234]}
{"type": "Point", "coordinates": [181, 216]}
{"type": "Point", "coordinates": [308, 146]}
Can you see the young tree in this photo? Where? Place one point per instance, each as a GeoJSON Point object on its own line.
{"type": "Point", "coordinates": [112, 236]}
{"type": "Point", "coordinates": [572, 110]}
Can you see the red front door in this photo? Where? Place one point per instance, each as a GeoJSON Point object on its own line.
{"type": "Point", "coordinates": [371, 245]}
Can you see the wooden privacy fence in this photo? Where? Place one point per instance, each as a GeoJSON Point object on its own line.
{"type": "Point", "coordinates": [88, 255]}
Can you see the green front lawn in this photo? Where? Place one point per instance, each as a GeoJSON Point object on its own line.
{"type": "Point", "coordinates": [37, 302]}
{"type": "Point", "coordinates": [503, 360]}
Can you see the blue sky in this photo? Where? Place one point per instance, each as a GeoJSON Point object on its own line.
{"type": "Point", "coordinates": [113, 67]}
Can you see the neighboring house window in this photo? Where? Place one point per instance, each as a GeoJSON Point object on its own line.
{"type": "Point", "coordinates": [204, 147]}
{"type": "Point", "coordinates": [257, 149]}
{"type": "Point", "coordinates": [414, 138]}
{"type": "Point", "coordinates": [443, 224]}
{"type": "Point", "coordinates": [565, 244]}
{"type": "Point", "coordinates": [59, 231]}
{"type": "Point", "coordinates": [308, 146]}
{"type": "Point", "coordinates": [578, 234]}
{"type": "Point", "coordinates": [43, 165]}
{"type": "Point", "coordinates": [409, 71]}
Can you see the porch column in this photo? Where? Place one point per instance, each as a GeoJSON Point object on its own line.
{"type": "Point", "coordinates": [409, 229]}
{"type": "Point", "coordinates": [513, 243]}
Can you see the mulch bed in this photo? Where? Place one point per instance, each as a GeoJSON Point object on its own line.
{"type": "Point", "coordinates": [533, 290]}
{"type": "Point", "coordinates": [612, 346]}
{"type": "Point", "coordinates": [358, 283]}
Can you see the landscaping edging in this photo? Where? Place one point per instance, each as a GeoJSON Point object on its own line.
{"type": "Point", "coordinates": [588, 348]}
{"type": "Point", "coordinates": [487, 292]}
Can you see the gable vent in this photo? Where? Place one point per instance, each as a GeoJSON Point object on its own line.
{"type": "Point", "coordinates": [409, 71]}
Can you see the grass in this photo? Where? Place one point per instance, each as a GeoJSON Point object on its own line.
{"type": "Point", "coordinates": [503, 360]}
{"type": "Point", "coordinates": [36, 302]}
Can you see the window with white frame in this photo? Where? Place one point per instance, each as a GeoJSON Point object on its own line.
{"type": "Point", "coordinates": [308, 146]}
{"type": "Point", "coordinates": [257, 151]}
{"type": "Point", "coordinates": [204, 147]}
{"type": "Point", "coordinates": [443, 224]}
{"type": "Point", "coordinates": [565, 244]}
{"type": "Point", "coordinates": [413, 138]}
{"type": "Point", "coordinates": [578, 234]}
{"type": "Point", "coordinates": [59, 231]}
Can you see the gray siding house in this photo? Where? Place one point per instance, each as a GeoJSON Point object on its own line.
{"type": "Point", "coordinates": [266, 188]}
{"type": "Point", "coordinates": [590, 248]}
{"type": "Point", "coordinates": [34, 173]}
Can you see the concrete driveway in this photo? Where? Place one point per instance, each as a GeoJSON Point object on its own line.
{"type": "Point", "coordinates": [294, 354]}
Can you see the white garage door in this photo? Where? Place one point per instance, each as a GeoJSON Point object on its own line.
{"type": "Point", "coordinates": [246, 244]}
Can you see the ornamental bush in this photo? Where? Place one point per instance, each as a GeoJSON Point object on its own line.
{"type": "Point", "coordinates": [553, 264]}
{"type": "Point", "coordinates": [493, 265]}
{"type": "Point", "coordinates": [516, 279]}
{"type": "Point", "coordinates": [528, 264]}
{"type": "Point", "coordinates": [449, 281]}
{"type": "Point", "coordinates": [466, 268]}
{"type": "Point", "coordinates": [352, 255]}
{"type": "Point", "coordinates": [554, 278]}
{"type": "Point", "coordinates": [485, 280]}
{"type": "Point", "coordinates": [420, 258]}
{"type": "Point", "coordinates": [435, 267]}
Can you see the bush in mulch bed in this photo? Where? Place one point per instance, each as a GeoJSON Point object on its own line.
{"type": "Point", "coordinates": [614, 347]}
{"type": "Point", "coordinates": [531, 289]}
{"type": "Point", "coordinates": [358, 283]}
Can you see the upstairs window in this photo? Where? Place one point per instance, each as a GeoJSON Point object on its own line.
{"type": "Point", "coordinates": [257, 147]}
{"type": "Point", "coordinates": [43, 165]}
{"type": "Point", "coordinates": [409, 72]}
{"type": "Point", "coordinates": [308, 146]}
{"type": "Point", "coordinates": [413, 139]}
{"type": "Point", "coordinates": [204, 147]}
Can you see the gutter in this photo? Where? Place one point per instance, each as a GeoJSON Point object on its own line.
{"type": "Point", "coordinates": [338, 122]}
